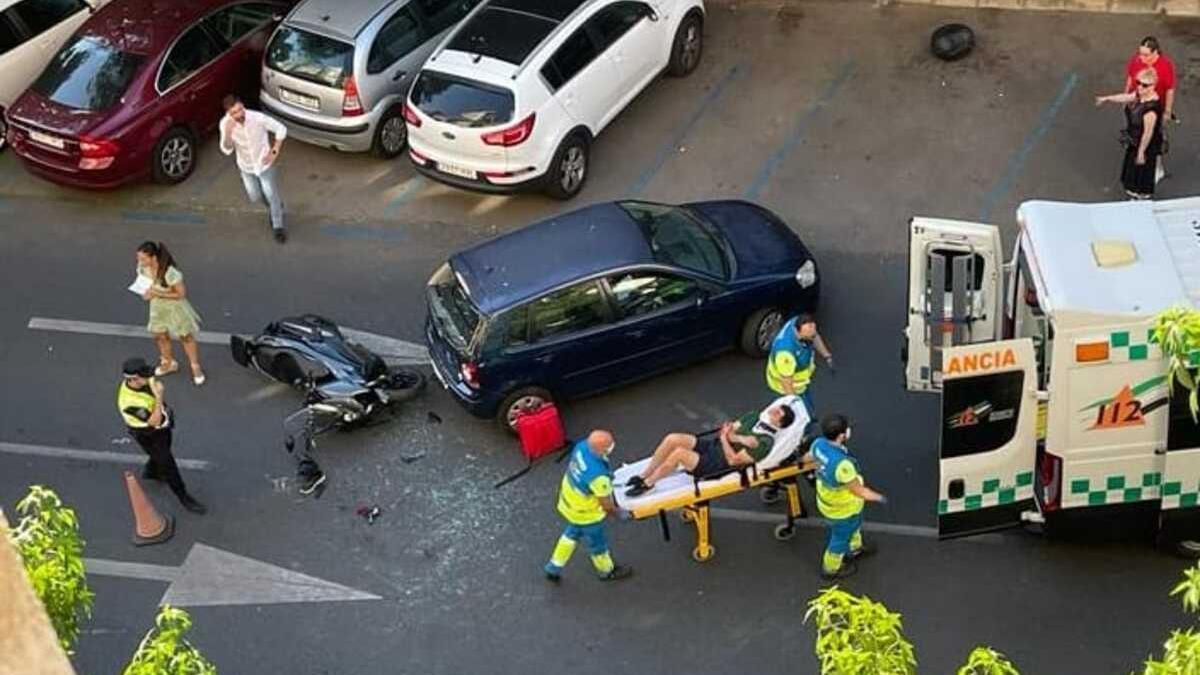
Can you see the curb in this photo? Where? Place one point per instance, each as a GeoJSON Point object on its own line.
{"type": "Point", "coordinates": [1162, 7]}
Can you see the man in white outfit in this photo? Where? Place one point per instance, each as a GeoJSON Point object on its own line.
{"type": "Point", "coordinates": [249, 133]}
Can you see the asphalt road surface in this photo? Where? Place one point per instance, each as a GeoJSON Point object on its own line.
{"type": "Point", "coordinates": [834, 116]}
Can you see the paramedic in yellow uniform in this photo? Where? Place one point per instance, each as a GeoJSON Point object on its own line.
{"type": "Point", "coordinates": [790, 364]}
{"type": "Point", "coordinates": [584, 498]}
{"type": "Point", "coordinates": [841, 493]}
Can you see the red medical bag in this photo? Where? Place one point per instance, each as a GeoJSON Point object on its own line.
{"type": "Point", "coordinates": [541, 431]}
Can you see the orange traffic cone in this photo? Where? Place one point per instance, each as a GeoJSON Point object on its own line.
{"type": "Point", "coordinates": [149, 526]}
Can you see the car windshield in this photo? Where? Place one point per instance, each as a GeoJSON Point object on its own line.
{"type": "Point", "coordinates": [309, 56]}
{"type": "Point", "coordinates": [88, 73]}
{"type": "Point", "coordinates": [452, 309]}
{"type": "Point", "coordinates": [462, 102]}
{"type": "Point", "coordinates": [677, 237]}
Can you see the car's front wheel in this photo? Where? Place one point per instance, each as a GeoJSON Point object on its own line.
{"type": "Point", "coordinates": [687, 47]}
{"type": "Point", "coordinates": [760, 330]}
{"type": "Point", "coordinates": [391, 135]}
{"type": "Point", "coordinates": [174, 156]}
{"type": "Point", "coordinates": [525, 398]}
{"type": "Point", "coordinates": [569, 170]}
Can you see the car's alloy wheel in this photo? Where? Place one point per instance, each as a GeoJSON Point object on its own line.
{"type": "Point", "coordinates": [768, 328]}
{"type": "Point", "coordinates": [393, 134]}
{"type": "Point", "coordinates": [527, 402]}
{"type": "Point", "coordinates": [176, 158]}
{"type": "Point", "coordinates": [573, 169]}
{"type": "Point", "coordinates": [691, 47]}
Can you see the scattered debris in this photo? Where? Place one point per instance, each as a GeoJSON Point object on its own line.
{"type": "Point", "coordinates": [370, 513]}
{"type": "Point", "coordinates": [409, 459]}
{"type": "Point", "coordinates": [434, 418]}
{"type": "Point", "coordinates": [122, 440]}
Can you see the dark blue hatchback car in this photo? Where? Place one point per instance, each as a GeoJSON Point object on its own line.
{"type": "Point", "coordinates": [608, 294]}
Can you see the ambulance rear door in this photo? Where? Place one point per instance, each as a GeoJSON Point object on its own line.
{"type": "Point", "coordinates": [989, 436]}
{"type": "Point", "coordinates": [1180, 483]}
{"type": "Point", "coordinates": [955, 294]}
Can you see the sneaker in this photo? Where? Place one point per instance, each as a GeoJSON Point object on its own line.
{"type": "Point", "coordinates": [639, 489]}
{"type": "Point", "coordinates": [635, 481]}
{"type": "Point", "coordinates": [280, 234]}
{"type": "Point", "coordinates": [862, 552]}
{"type": "Point", "coordinates": [552, 577]}
{"type": "Point", "coordinates": [848, 568]}
{"type": "Point", "coordinates": [192, 505]}
{"type": "Point", "coordinates": [618, 573]}
{"type": "Point", "coordinates": [312, 484]}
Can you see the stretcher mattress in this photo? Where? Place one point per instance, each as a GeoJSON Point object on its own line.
{"type": "Point", "coordinates": [677, 487]}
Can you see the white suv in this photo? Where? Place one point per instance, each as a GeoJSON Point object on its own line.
{"type": "Point", "coordinates": [515, 95]}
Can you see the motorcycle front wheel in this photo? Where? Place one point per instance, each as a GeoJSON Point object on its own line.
{"type": "Point", "coordinates": [404, 383]}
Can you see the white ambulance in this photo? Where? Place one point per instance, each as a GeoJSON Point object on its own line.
{"type": "Point", "coordinates": [1055, 406]}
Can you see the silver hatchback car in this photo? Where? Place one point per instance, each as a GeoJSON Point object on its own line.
{"type": "Point", "coordinates": [336, 72]}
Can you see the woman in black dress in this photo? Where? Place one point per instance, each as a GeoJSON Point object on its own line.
{"type": "Point", "coordinates": [1142, 136]}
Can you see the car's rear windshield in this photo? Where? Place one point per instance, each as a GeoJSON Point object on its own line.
{"type": "Point", "coordinates": [309, 56]}
{"type": "Point", "coordinates": [452, 309]}
{"type": "Point", "coordinates": [462, 102]}
{"type": "Point", "coordinates": [88, 73]}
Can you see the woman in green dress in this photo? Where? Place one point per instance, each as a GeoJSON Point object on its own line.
{"type": "Point", "coordinates": [171, 315]}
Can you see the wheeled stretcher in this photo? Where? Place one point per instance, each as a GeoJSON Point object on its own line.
{"type": "Point", "coordinates": [692, 495]}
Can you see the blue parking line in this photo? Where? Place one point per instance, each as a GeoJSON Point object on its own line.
{"type": "Point", "coordinates": [162, 217]}
{"type": "Point", "coordinates": [1006, 180]}
{"type": "Point", "coordinates": [414, 184]}
{"type": "Point", "coordinates": [668, 150]}
{"type": "Point", "coordinates": [359, 232]}
{"type": "Point", "coordinates": [831, 90]}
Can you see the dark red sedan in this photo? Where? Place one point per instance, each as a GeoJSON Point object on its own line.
{"type": "Point", "coordinates": [138, 83]}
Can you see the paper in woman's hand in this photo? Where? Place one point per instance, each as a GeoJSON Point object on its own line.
{"type": "Point", "coordinates": [140, 285]}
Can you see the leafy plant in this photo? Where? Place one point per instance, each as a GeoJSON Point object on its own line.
{"type": "Point", "coordinates": [1181, 651]}
{"type": "Point", "coordinates": [857, 636]}
{"type": "Point", "coordinates": [47, 538]}
{"type": "Point", "coordinates": [164, 651]}
{"type": "Point", "coordinates": [987, 661]}
{"type": "Point", "coordinates": [1177, 332]}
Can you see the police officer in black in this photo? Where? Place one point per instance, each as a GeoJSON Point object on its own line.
{"type": "Point", "coordinates": [149, 420]}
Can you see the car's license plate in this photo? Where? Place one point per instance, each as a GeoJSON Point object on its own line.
{"type": "Point", "coordinates": [310, 102]}
{"type": "Point", "coordinates": [455, 170]}
{"type": "Point", "coordinates": [46, 139]}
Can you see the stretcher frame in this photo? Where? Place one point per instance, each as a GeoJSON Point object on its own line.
{"type": "Point", "coordinates": [697, 511]}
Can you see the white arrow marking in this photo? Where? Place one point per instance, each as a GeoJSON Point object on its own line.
{"type": "Point", "coordinates": [95, 455]}
{"type": "Point", "coordinates": [390, 349]}
{"type": "Point", "coordinates": [210, 576]}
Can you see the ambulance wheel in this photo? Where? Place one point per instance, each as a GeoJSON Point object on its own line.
{"type": "Point", "coordinates": [704, 553]}
{"type": "Point", "coordinates": [770, 495]}
{"type": "Point", "coordinates": [784, 532]}
{"type": "Point", "coordinates": [760, 330]}
{"type": "Point", "coordinates": [525, 397]}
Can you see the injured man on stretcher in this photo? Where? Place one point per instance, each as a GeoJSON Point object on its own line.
{"type": "Point", "coordinates": [739, 442]}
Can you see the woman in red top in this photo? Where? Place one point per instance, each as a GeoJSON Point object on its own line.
{"type": "Point", "coordinates": [1149, 55]}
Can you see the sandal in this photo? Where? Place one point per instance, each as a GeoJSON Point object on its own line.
{"type": "Point", "coordinates": [166, 368]}
{"type": "Point", "coordinates": [198, 377]}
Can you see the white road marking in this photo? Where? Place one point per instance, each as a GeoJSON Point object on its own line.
{"type": "Point", "coordinates": [96, 455]}
{"type": "Point", "coordinates": [816, 522]}
{"type": "Point", "coordinates": [687, 412]}
{"type": "Point", "coordinates": [390, 349]}
{"type": "Point", "coordinates": [210, 576]}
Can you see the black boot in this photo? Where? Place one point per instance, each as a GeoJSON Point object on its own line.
{"type": "Point", "coordinates": [189, 502]}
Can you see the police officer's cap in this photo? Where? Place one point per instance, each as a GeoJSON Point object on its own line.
{"type": "Point", "coordinates": [136, 365]}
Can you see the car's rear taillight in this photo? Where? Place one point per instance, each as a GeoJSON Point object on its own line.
{"type": "Point", "coordinates": [411, 115]}
{"type": "Point", "coordinates": [97, 153]}
{"type": "Point", "coordinates": [1050, 481]}
{"type": "Point", "coordinates": [351, 103]}
{"type": "Point", "coordinates": [470, 374]}
{"type": "Point", "coordinates": [514, 135]}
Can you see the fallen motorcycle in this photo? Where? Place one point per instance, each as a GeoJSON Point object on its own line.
{"type": "Point", "coordinates": [345, 384]}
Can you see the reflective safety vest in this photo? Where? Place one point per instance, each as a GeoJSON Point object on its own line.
{"type": "Point", "coordinates": [790, 357]}
{"type": "Point", "coordinates": [132, 398]}
{"type": "Point", "coordinates": [588, 478]}
{"type": "Point", "coordinates": [835, 469]}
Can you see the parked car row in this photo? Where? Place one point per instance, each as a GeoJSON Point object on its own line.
{"type": "Point", "coordinates": [493, 96]}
